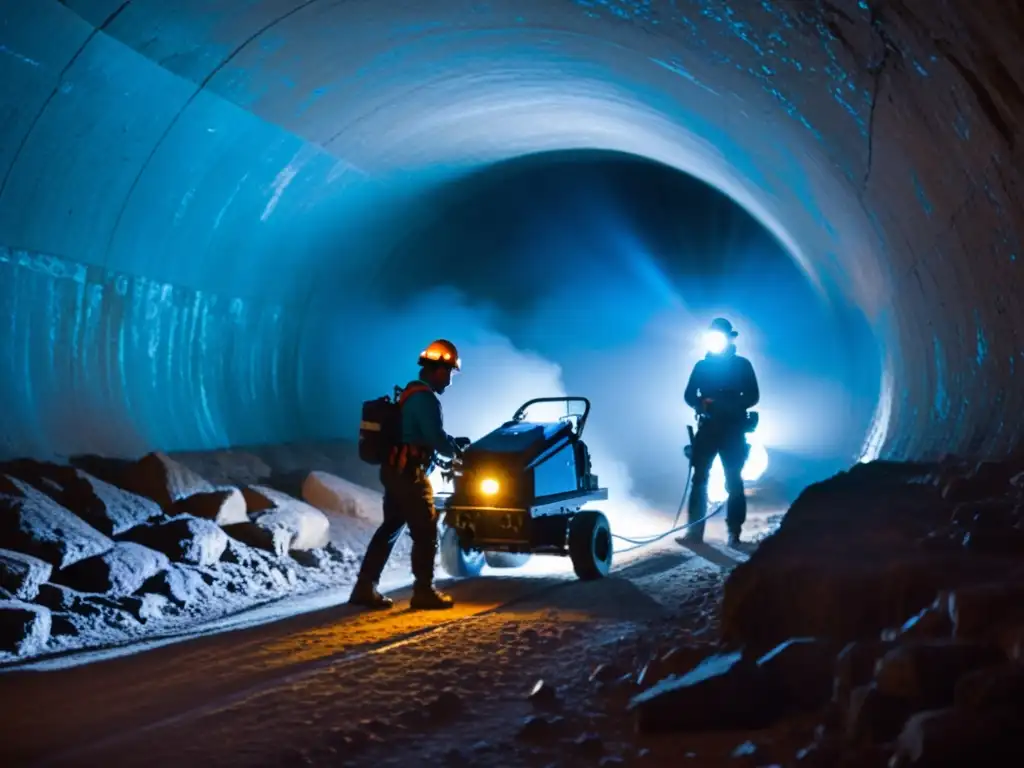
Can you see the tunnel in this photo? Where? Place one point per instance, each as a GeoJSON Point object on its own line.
{"type": "Point", "coordinates": [189, 190]}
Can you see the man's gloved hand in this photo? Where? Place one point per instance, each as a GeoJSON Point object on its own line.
{"type": "Point", "coordinates": [462, 443]}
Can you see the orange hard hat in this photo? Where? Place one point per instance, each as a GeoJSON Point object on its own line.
{"type": "Point", "coordinates": [441, 352]}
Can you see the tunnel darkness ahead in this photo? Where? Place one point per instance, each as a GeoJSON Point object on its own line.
{"type": "Point", "coordinates": [179, 182]}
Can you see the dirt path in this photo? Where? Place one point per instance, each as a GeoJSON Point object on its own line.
{"type": "Point", "coordinates": [334, 685]}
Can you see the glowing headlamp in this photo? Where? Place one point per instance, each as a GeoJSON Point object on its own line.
{"type": "Point", "coordinates": [489, 486]}
{"type": "Point", "coordinates": [715, 342]}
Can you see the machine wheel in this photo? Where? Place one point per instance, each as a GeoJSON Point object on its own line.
{"type": "Point", "coordinates": [590, 545]}
{"type": "Point", "coordinates": [456, 560]}
{"type": "Point", "coordinates": [507, 559]}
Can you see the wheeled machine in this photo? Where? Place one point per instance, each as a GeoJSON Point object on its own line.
{"type": "Point", "coordinates": [519, 491]}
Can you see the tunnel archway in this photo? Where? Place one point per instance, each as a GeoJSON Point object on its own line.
{"type": "Point", "coordinates": [608, 266]}
{"type": "Point", "coordinates": [178, 181]}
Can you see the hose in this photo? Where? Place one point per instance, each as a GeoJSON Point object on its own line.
{"type": "Point", "coordinates": [648, 540]}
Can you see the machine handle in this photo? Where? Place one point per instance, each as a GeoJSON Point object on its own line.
{"type": "Point", "coordinates": [521, 413]}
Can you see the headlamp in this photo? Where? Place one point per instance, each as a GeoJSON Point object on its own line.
{"type": "Point", "coordinates": [715, 341]}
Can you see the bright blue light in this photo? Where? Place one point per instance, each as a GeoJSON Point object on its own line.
{"type": "Point", "coordinates": [757, 464]}
{"type": "Point", "coordinates": [715, 342]}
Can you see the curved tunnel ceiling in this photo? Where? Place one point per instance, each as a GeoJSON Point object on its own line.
{"type": "Point", "coordinates": [177, 180]}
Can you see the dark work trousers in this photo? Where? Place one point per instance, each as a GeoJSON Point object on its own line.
{"type": "Point", "coordinates": [730, 443]}
{"type": "Point", "coordinates": [408, 500]}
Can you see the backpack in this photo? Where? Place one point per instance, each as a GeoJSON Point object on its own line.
{"type": "Point", "coordinates": [380, 429]}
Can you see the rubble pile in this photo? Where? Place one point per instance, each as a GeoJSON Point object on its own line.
{"type": "Point", "coordinates": [126, 549]}
{"type": "Point", "coordinates": [886, 615]}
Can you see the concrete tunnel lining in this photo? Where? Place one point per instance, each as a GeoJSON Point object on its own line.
{"type": "Point", "coordinates": [178, 182]}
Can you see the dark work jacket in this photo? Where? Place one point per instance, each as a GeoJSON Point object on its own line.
{"type": "Point", "coordinates": [423, 422]}
{"type": "Point", "coordinates": [728, 380]}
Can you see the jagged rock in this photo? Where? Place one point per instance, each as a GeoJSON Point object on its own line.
{"type": "Point", "coordinates": [179, 584]}
{"type": "Point", "coordinates": [992, 688]}
{"type": "Point", "coordinates": [159, 477]}
{"type": "Point", "coordinates": [21, 575]}
{"type": "Point", "coordinates": [950, 737]}
{"type": "Point", "coordinates": [37, 525]}
{"type": "Point", "coordinates": [183, 539]}
{"type": "Point", "coordinates": [926, 673]}
{"type": "Point", "coordinates": [800, 672]}
{"type": "Point", "coordinates": [874, 717]}
{"type": "Point", "coordinates": [855, 666]}
{"type": "Point", "coordinates": [24, 627]}
{"type": "Point", "coordinates": [225, 506]}
{"type": "Point", "coordinates": [975, 610]}
{"type": "Point", "coordinates": [107, 508]}
{"type": "Point", "coordinates": [269, 539]}
{"type": "Point", "coordinates": [119, 572]}
{"type": "Point", "coordinates": [723, 692]}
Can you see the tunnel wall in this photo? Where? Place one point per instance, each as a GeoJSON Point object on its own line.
{"type": "Point", "coordinates": [178, 180]}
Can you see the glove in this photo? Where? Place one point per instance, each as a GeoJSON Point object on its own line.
{"type": "Point", "coordinates": [462, 443]}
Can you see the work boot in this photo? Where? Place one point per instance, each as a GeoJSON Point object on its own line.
{"type": "Point", "coordinates": [367, 596]}
{"type": "Point", "coordinates": [429, 599]}
{"type": "Point", "coordinates": [734, 540]}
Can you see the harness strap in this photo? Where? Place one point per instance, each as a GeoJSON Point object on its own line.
{"type": "Point", "coordinates": [401, 455]}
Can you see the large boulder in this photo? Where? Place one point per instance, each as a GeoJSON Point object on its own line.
{"type": "Point", "coordinates": [24, 628]}
{"type": "Point", "coordinates": [37, 525]}
{"type": "Point", "coordinates": [119, 572]}
{"type": "Point", "coordinates": [335, 495]}
{"type": "Point", "coordinates": [223, 507]}
{"type": "Point", "coordinates": [183, 539]}
{"type": "Point", "coordinates": [848, 561]}
{"type": "Point", "coordinates": [300, 525]}
{"type": "Point", "coordinates": [21, 575]}
{"type": "Point", "coordinates": [306, 528]}
{"type": "Point", "coordinates": [107, 508]}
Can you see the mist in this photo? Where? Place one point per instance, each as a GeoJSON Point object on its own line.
{"type": "Point", "coordinates": [594, 274]}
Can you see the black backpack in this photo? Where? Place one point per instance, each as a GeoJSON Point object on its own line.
{"type": "Point", "coordinates": [381, 427]}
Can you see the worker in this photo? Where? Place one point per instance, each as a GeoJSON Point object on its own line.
{"type": "Point", "coordinates": [408, 494]}
{"type": "Point", "coordinates": [722, 387]}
